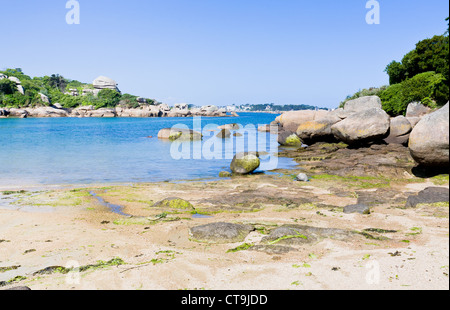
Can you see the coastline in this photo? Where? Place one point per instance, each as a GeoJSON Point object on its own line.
{"type": "Point", "coordinates": [155, 249]}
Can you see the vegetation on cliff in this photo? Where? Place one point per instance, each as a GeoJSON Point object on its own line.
{"type": "Point", "coordinates": [68, 93]}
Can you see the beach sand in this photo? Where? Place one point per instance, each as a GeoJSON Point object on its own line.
{"type": "Point", "coordinates": [68, 227]}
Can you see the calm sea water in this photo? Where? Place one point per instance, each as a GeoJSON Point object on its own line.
{"type": "Point", "coordinates": [44, 151]}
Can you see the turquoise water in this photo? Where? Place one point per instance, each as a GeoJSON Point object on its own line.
{"type": "Point", "coordinates": [118, 150]}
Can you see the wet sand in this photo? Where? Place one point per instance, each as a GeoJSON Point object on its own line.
{"type": "Point", "coordinates": [69, 227]}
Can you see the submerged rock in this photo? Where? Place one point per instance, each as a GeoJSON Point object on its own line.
{"type": "Point", "coordinates": [230, 126]}
{"type": "Point", "coordinates": [221, 232]}
{"type": "Point", "coordinates": [224, 133]}
{"type": "Point", "coordinates": [177, 134]}
{"type": "Point", "coordinates": [245, 163]}
{"type": "Point", "coordinates": [225, 174]}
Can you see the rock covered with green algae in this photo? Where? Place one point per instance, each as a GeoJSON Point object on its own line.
{"type": "Point", "coordinates": [245, 163]}
{"type": "Point", "coordinates": [174, 203]}
{"type": "Point", "coordinates": [177, 134]}
{"type": "Point", "coordinates": [288, 138]}
{"type": "Point", "coordinates": [221, 232]}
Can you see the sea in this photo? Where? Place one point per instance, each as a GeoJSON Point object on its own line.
{"type": "Point", "coordinates": [80, 151]}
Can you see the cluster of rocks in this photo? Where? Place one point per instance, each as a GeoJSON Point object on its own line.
{"type": "Point", "coordinates": [363, 121]}
{"type": "Point", "coordinates": [162, 110]}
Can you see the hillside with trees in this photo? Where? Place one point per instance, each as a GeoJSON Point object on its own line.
{"type": "Point", "coordinates": [47, 90]}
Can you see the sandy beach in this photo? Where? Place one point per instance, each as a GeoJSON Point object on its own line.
{"type": "Point", "coordinates": [393, 248]}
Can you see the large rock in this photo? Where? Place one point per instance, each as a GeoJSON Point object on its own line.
{"type": "Point", "coordinates": [104, 112]}
{"type": "Point", "coordinates": [430, 195]}
{"type": "Point", "coordinates": [177, 134]}
{"type": "Point", "coordinates": [14, 112]}
{"type": "Point", "coordinates": [46, 112]}
{"type": "Point", "coordinates": [429, 140]}
{"type": "Point", "coordinates": [363, 103]}
{"type": "Point", "coordinates": [103, 82]}
{"type": "Point", "coordinates": [291, 120]}
{"type": "Point", "coordinates": [18, 84]}
{"type": "Point", "coordinates": [221, 232]}
{"type": "Point", "coordinates": [399, 130]}
{"type": "Point", "coordinates": [209, 109]}
{"type": "Point", "coordinates": [230, 126]}
{"type": "Point", "coordinates": [362, 127]}
{"type": "Point", "coordinates": [318, 130]}
{"type": "Point", "coordinates": [416, 109]}
{"type": "Point", "coordinates": [245, 163]}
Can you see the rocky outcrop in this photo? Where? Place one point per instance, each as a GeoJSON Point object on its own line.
{"type": "Point", "coordinates": [245, 163]}
{"type": "Point", "coordinates": [46, 112]}
{"type": "Point", "coordinates": [362, 127]}
{"type": "Point", "coordinates": [103, 82]}
{"type": "Point", "coordinates": [429, 140]}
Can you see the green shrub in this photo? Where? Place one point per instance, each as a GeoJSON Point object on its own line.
{"type": "Point", "coordinates": [429, 88]}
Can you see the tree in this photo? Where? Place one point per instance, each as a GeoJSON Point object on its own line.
{"type": "Point", "coordinates": [7, 87]}
{"type": "Point", "coordinates": [108, 98]}
{"type": "Point", "coordinates": [57, 81]}
{"type": "Point", "coordinates": [429, 55]}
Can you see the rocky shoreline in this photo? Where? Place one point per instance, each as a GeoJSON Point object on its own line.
{"type": "Point", "coordinates": [363, 122]}
{"type": "Point", "coordinates": [162, 110]}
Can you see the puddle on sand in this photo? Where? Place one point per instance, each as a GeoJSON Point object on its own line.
{"type": "Point", "coordinates": [201, 216]}
{"type": "Point", "coordinates": [114, 208]}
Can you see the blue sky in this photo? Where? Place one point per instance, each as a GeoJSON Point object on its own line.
{"type": "Point", "coordinates": [219, 51]}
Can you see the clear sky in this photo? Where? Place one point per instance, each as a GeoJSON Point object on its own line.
{"type": "Point", "coordinates": [219, 52]}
